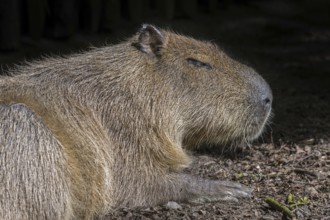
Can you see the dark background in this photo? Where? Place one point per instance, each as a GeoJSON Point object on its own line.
{"type": "Point", "coordinates": [286, 41]}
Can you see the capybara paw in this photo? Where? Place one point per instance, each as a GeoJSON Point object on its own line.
{"type": "Point", "coordinates": [223, 191]}
{"type": "Point", "coordinates": [234, 189]}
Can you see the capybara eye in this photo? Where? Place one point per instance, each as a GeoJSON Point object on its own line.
{"type": "Point", "coordinates": [198, 63]}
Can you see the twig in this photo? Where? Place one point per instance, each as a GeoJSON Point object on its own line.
{"type": "Point", "coordinates": [280, 207]}
{"type": "Point", "coordinates": [302, 171]}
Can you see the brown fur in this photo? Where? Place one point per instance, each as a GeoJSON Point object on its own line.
{"type": "Point", "coordinates": [109, 128]}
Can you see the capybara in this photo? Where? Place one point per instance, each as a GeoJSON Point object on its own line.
{"type": "Point", "coordinates": [84, 134]}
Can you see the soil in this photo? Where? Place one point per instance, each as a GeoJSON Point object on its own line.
{"type": "Point", "coordinates": [289, 45]}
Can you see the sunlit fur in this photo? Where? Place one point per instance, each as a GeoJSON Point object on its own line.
{"type": "Point", "coordinates": [84, 134]}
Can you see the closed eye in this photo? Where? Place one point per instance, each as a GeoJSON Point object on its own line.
{"type": "Point", "coordinates": [198, 63]}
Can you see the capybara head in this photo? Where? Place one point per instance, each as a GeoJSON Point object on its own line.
{"type": "Point", "coordinates": [221, 100]}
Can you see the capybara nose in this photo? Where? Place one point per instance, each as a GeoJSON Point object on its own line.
{"type": "Point", "coordinates": [267, 101]}
{"type": "Point", "coordinates": [263, 95]}
{"type": "Point", "coordinates": [266, 96]}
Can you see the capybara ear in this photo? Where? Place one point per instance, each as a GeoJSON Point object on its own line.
{"type": "Point", "coordinates": [150, 39]}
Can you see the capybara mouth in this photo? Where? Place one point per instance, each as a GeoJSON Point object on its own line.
{"type": "Point", "coordinates": [257, 126]}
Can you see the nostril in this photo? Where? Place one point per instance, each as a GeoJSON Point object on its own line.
{"type": "Point", "coordinates": [267, 101]}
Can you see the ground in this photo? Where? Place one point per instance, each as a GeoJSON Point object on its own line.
{"type": "Point", "coordinates": [273, 171]}
{"type": "Point", "coordinates": [289, 45]}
